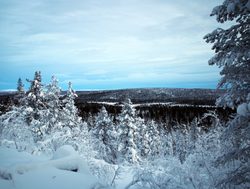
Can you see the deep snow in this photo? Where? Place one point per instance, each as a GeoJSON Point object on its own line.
{"type": "Point", "coordinates": [28, 171]}
{"type": "Point", "coordinates": [65, 169]}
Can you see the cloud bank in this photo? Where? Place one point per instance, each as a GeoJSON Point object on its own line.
{"type": "Point", "coordinates": [108, 44]}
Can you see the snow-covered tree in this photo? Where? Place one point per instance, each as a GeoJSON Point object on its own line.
{"type": "Point", "coordinates": [127, 131]}
{"type": "Point", "coordinates": [103, 132]}
{"type": "Point", "coordinates": [20, 86]}
{"type": "Point", "coordinates": [232, 50]}
{"type": "Point", "coordinates": [41, 125]}
{"type": "Point", "coordinates": [14, 130]}
{"type": "Point", "coordinates": [102, 121]}
{"type": "Point", "coordinates": [167, 145]}
{"type": "Point", "coordinates": [70, 111]}
{"type": "Point", "coordinates": [180, 143]}
{"type": "Point", "coordinates": [34, 102]}
{"type": "Point", "coordinates": [193, 134]}
{"type": "Point", "coordinates": [142, 139]}
{"type": "Point", "coordinates": [235, 159]}
{"type": "Point", "coordinates": [17, 124]}
{"type": "Point", "coordinates": [78, 137]}
{"type": "Point", "coordinates": [35, 92]}
{"type": "Point", "coordinates": [52, 114]}
{"type": "Point", "coordinates": [148, 142]}
{"type": "Point", "coordinates": [35, 96]}
{"type": "Point", "coordinates": [154, 139]}
{"type": "Point", "coordinates": [112, 144]}
{"type": "Point", "coordinates": [20, 96]}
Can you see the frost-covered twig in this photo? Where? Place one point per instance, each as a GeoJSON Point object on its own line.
{"type": "Point", "coordinates": [116, 175]}
{"type": "Point", "coordinates": [192, 182]}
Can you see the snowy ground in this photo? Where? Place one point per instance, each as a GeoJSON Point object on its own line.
{"type": "Point", "coordinates": [21, 170]}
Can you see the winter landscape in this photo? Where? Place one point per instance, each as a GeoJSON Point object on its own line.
{"type": "Point", "coordinates": [122, 126]}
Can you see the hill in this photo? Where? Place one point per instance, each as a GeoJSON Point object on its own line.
{"type": "Point", "coordinates": [149, 95]}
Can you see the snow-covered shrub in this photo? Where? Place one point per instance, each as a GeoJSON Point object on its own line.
{"type": "Point", "coordinates": [104, 171]}
{"type": "Point", "coordinates": [168, 173]}
{"type": "Point", "coordinates": [15, 132]}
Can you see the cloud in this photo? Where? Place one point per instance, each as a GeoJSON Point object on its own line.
{"type": "Point", "coordinates": [90, 41]}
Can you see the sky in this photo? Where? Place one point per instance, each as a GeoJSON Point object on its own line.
{"type": "Point", "coordinates": [108, 44]}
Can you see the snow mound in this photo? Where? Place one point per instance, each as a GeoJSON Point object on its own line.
{"type": "Point", "coordinates": [66, 170]}
{"type": "Point", "coordinates": [244, 109]}
{"type": "Point", "coordinates": [64, 151]}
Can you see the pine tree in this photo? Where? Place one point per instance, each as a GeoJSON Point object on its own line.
{"type": "Point", "coordinates": [127, 133]}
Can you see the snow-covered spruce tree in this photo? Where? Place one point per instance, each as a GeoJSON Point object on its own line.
{"type": "Point", "coordinates": [154, 139]}
{"type": "Point", "coordinates": [52, 116]}
{"type": "Point", "coordinates": [35, 96]}
{"type": "Point", "coordinates": [103, 133]}
{"type": "Point", "coordinates": [127, 131]}
{"type": "Point", "coordinates": [179, 137]}
{"type": "Point", "coordinates": [167, 143]}
{"type": "Point", "coordinates": [102, 121]}
{"type": "Point", "coordinates": [35, 104]}
{"type": "Point", "coordinates": [70, 111]}
{"type": "Point", "coordinates": [148, 142]}
{"type": "Point", "coordinates": [112, 143]}
{"type": "Point", "coordinates": [19, 97]}
{"type": "Point", "coordinates": [20, 87]}
{"type": "Point", "coordinates": [142, 140]}
{"type": "Point", "coordinates": [232, 48]}
{"type": "Point", "coordinates": [35, 93]}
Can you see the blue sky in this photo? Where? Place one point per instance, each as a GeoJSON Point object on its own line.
{"type": "Point", "coordinates": [108, 44]}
